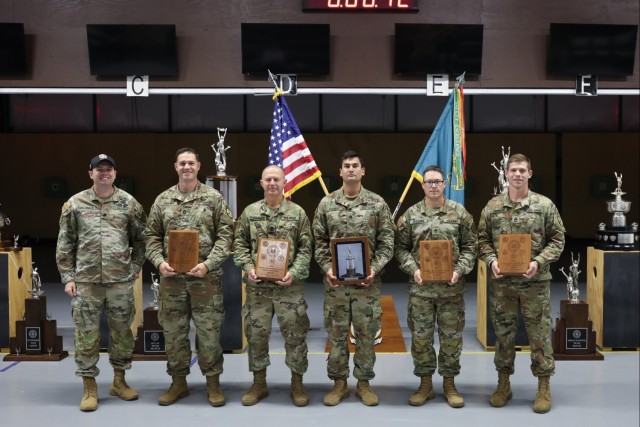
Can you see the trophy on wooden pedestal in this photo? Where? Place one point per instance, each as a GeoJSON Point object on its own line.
{"type": "Point", "coordinates": [150, 344]}
{"type": "Point", "coordinates": [573, 338]}
{"type": "Point", "coordinates": [36, 333]}
{"type": "Point", "coordinates": [618, 236]}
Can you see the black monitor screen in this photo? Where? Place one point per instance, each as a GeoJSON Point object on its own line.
{"type": "Point", "coordinates": [438, 48]}
{"type": "Point", "coordinates": [13, 58]}
{"type": "Point", "coordinates": [126, 50]}
{"type": "Point", "coordinates": [591, 49]}
{"type": "Point", "coordinates": [285, 48]}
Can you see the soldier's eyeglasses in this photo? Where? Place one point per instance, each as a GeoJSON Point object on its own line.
{"type": "Point", "coordinates": [433, 183]}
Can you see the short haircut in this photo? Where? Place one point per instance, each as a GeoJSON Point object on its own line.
{"type": "Point", "coordinates": [350, 154]}
{"type": "Point", "coordinates": [435, 168]}
{"type": "Point", "coordinates": [187, 150]}
{"type": "Point", "coordinates": [515, 158]}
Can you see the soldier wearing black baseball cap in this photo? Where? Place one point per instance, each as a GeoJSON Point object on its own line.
{"type": "Point", "coordinates": [101, 158]}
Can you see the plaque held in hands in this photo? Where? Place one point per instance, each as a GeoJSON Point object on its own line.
{"type": "Point", "coordinates": [514, 254]}
{"type": "Point", "coordinates": [272, 260]}
{"type": "Point", "coordinates": [436, 261]}
{"type": "Point", "coordinates": [183, 250]}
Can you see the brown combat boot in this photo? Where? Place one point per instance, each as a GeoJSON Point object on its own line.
{"type": "Point", "coordinates": [338, 392]}
{"type": "Point", "coordinates": [454, 398]}
{"type": "Point", "coordinates": [258, 389]}
{"type": "Point", "coordinates": [501, 396]}
{"type": "Point", "coordinates": [364, 393]}
{"type": "Point", "coordinates": [214, 392]}
{"type": "Point", "coordinates": [299, 395]}
{"type": "Point", "coordinates": [177, 390]}
{"type": "Point", "coordinates": [89, 400]}
{"type": "Point", "coordinates": [425, 392]}
{"type": "Point", "coordinates": [542, 405]}
{"type": "Point", "coordinates": [121, 388]}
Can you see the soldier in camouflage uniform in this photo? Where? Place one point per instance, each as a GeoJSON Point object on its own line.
{"type": "Point", "coordinates": [436, 218]}
{"type": "Point", "coordinates": [275, 218]}
{"type": "Point", "coordinates": [197, 294]}
{"type": "Point", "coordinates": [100, 253]}
{"type": "Point", "coordinates": [522, 211]}
{"type": "Point", "coordinates": [352, 211]}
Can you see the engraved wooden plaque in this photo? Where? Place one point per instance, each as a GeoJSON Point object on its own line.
{"type": "Point", "coordinates": [514, 254]}
{"type": "Point", "coordinates": [183, 250]}
{"type": "Point", "coordinates": [436, 261]}
{"type": "Point", "coordinates": [272, 260]}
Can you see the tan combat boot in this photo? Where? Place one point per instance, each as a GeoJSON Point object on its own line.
{"type": "Point", "coordinates": [214, 392]}
{"type": "Point", "coordinates": [501, 396]}
{"type": "Point", "coordinates": [542, 405]}
{"type": "Point", "coordinates": [364, 392]}
{"type": "Point", "coordinates": [89, 400]}
{"type": "Point", "coordinates": [178, 390]}
{"type": "Point", "coordinates": [258, 389]}
{"type": "Point", "coordinates": [454, 398]}
{"type": "Point", "coordinates": [425, 392]}
{"type": "Point", "coordinates": [299, 395]}
{"type": "Point", "coordinates": [338, 392]}
{"type": "Point", "coordinates": [121, 388]}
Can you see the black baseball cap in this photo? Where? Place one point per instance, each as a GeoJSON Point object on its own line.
{"type": "Point", "coordinates": [101, 158]}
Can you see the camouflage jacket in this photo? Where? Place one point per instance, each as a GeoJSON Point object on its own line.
{"type": "Point", "coordinates": [204, 210]}
{"type": "Point", "coordinates": [535, 215]}
{"type": "Point", "coordinates": [449, 222]}
{"type": "Point", "coordinates": [366, 215]}
{"type": "Point", "coordinates": [288, 222]}
{"type": "Point", "coordinates": [100, 241]}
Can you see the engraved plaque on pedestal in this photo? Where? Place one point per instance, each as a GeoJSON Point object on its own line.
{"type": "Point", "coordinates": [436, 261]}
{"type": "Point", "coordinates": [150, 342]}
{"type": "Point", "coordinates": [272, 260]}
{"type": "Point", "coordinates": [514, 254]}
{"type": "Point", "coordinates": [573, 338]}
{"type": "Point", "coordinates": [183, 250]}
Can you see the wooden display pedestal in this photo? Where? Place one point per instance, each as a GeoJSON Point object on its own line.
{"type": "Point", "coordinates": [573, 338]}
{"type": "Point", "coordinates": [150, 344]}
{"type": "Point", "coordinates": [15, 281]}
{"type": "Point", "coordinates": [613, 294]}
{"type": "Point", "coordinates": [36, 336]}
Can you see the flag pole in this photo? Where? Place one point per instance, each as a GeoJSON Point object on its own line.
{"type": "Point", "coordinates": [404, 194]}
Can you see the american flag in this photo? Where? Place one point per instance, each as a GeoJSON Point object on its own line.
{"type": "Point", "coordinates": [288, 150]}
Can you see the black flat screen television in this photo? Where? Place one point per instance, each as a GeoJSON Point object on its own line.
{"type": "Point", "coordinates": [285, 48]}
{"type": "Point", "coordinates": [438, 49]}
{"type": "Point", "coordinates": [126, 50]}
{"type": "Point", "coordinates": [13, 56]}
{"type": "Point", "coordinates": [600, 49]}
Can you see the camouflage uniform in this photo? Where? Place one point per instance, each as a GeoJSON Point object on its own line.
{"type": "Point", "coordinates": [339, 216]}
{"type": "Point", "coordinates": [266, 298]}
{"type": "Point", "coordinates": [101, 248]}
{"type": "Point", "coordinates": [185, 297]}
{"type": "Point", "coordinates": [535, 215]}
{"type": "Point", "coordinates": [436, 301]}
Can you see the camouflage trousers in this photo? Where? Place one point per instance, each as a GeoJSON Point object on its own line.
{"type": "Point", "coordinates": [533, 299]}
{"type": "Point", "coordinates": [423, 312]}
{"type": "Point", "coordinates": [116, 299]}
{"type": "Point", "coordinates": [182, 299]}
{"type": "Point", "coordinates": [359, 305]}
{"type": "Point", "coordinates": [288, 305]}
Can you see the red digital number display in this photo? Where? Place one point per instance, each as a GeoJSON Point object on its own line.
{"type": "Point", "coordinates": [361, 5]}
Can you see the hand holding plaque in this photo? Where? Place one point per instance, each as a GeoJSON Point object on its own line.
{"type": "Point", "coordinates": [183, 250]}
{"type": "Point", "coordinates": [514, 254]}
{"type": "Point", "coordinates": [436, 261]}
{"type": "Point", "coordinates": [272, 260]}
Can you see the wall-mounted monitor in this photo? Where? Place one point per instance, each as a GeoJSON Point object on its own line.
{"type": "Point", "coordinates": [422, 49]}
{"type": "Point", "coordinates": [13, 57]}
{"type": "Point", "coordinates": [285, 48]}
{"type": "Point", "coordinates": [126, 50]}
{"type": "Point", "coordinates": [600, 49]}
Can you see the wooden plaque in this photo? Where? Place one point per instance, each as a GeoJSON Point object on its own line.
{"type": "Point", "coordinates": [183, 249]}
{"type": "Point", "coordinates": [272, 260]}
{"type": "Point", "coordinates": [514, 254]}
{"type": "Point", "coordinates": [436, 261]}
{"type": "Point", "coordinates": [350, 259]}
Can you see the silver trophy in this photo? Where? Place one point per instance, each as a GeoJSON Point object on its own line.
{"type": "Point", "coordinates": [36, 284]}
{"type": "Point", "coordinates": [219, 149]}
{"type": "Point", "coordinates": [619, 235]}
{"type": "Point", "coordinates": [155, 288]}
{"type": "Point", "coordinates": [573, 292]}
{"type": "Point", "coordinates": [503, 182]}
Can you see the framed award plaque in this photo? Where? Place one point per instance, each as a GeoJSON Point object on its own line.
{"type": "Point", "coordinates": [436, 261]}
{"type": "Point", "coordinates": [350, 259]}
{"type": "Point", "coordinates": [272, 260]}
{"type": "Point", "coordinates": [183, 249]}
{"type": "Point", "coordinates": [514, 254]}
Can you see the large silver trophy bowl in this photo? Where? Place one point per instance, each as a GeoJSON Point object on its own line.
{"type": "Point", "coordinates": [618, 236]}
